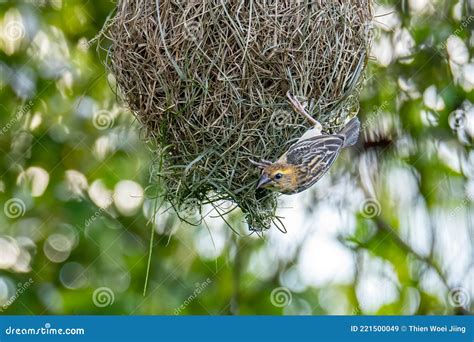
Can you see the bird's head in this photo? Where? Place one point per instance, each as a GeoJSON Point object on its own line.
{"type": "Point", "coordinates": [280, 177]}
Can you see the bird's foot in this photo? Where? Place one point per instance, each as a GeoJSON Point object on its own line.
{"type": "Point", "coordinates": [301, 109]}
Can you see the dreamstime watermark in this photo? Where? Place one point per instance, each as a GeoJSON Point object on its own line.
{"type": "Point", "coordinates": [303, 8]}
{"type": "Point", "coordinates": [200, 287]}
{"type": "Point", "coordinates": [375, 32]}
{"type": "Point", "coordinates": [103, 296]}
{"type": "Point", "coordinates": [459, 297]}
{"type": "Point", "coordinates": [14, 30]}
{"type": "Point", "coordinates": [193, 30]}
{"type": "Point", "coordinates": [281, 297]}
{"type": "Point", "coordinates": [46, 330]}
{"type": "Point", "coordinates": [21, 288]}
{"type": "Point", "coordinates": [99, 213]}
{"type": "Point", "coordinates": [22, 110]}
{"type": "Point", "coordinates": [103, 119]}
{"type": "Point", "coordinates": [374, 115]}
{"type": "Point", "coordinates": [14, 208]}
{"type": "Point", "coordinates": [188, 208]}
{"type": "Point", "coordinates": [370, 208]}
{"type": "Point", "coordinates": [37, 3]}
{"type": "Point", "coordinates": [461, 206]}
{"type": "Point", "coordinates": [356, 311]}
{"type": "Point", "coordinates": [464, 25]}
{"type": "Point", "coordinates": [280, 118]}
{"type": "Point", "coordinates": [457, 120]}
{"type": "Point", "coordinates": [84, 44]}
{"type": "Point", "coordinates": [186, 3]}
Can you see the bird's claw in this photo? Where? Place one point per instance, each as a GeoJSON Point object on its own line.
{"type": "Point", "coordinates": [300, 108]}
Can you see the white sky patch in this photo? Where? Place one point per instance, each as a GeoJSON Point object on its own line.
{"type": "Point", "coordinates": [104, 146]}
{"type": "Point", "coordinates": [36, 121]}
{"type": "Point", "coordinates": [403, 44]}
{"type": "Point", "coordinates": [12, 32]}
{"type": "Point", "coordinates": [431, 283]}
{"type": "Point", "coordinates": [9, 252]}
{"type": "Point", "coordinates": [334, 301]}
{"type": "Point", "coordinates": [377, 285]}
{"type": "Point", "coordinates": [457, 11]}
{"type": "Point", "coordinates": [467, 79]}
{"type": "Point", "coordinates": [128, 197]}
{"type": "Point", "coordinates": [162, 217]}
{"type": "Point", "coordinates": [295, 219]}
{"type": "Point", "coordinates": [399, 177]}
{"type": "Point", "coordinates": [76, 182]}
{"type": "Point", "coordinates": [99, 194]}
{"type": "Point", "coordinates": [453, 246]}
{"type": "Point", "coordinates": [411, 302]}
{"type": "Point", "coordinates": [450, 154]}
{"type": "Point", "coordinates": [314, 227]}
{"type": "Point", "coordinates": [73, 276]}
{"type": "Point", "coordinates": [57, 248]}
{"type": "Point", "coordinates": [432, 99]}
{"type": "Point", "coordinates": [36, 179]}
{"type": "Point", "coordinates": [23, 262]}
{"type": "Point", "coordinates": [415, 228]}
{"type": "Point", "coordinates": [386, 18]}
{"type": "Point", "coordinates": [383, 51]}
{"type": "Point", "coordinates": [84, 107]}
{"type": "Point", "coordinates": [325, 261]}
{"type": "Point", "coordinates": [50, 50]}
{"type": "Point", "coordinates": [457, 50]}
{"type": "Point", "coordinates": [210, 243]}
{"type": "Point", "coordinates": [409, 86]}
{"type": "Point", "coordinates": [421, 6]}
{"type": "Point", "coordinates": [291, 279]}
{"type": "Point", "coordinates": [263, 263]}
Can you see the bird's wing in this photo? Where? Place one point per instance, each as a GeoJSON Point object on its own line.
{"type": "Point", "coordinates": [310, 133]}
{"type": "Point", "coordinates": [319, 152]}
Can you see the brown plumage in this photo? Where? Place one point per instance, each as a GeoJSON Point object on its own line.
{"type": "Point", "coordinates": [308, 159]}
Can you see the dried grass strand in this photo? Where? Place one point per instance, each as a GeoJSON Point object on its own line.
{"type": "Point", "coordinates": [207, 81]}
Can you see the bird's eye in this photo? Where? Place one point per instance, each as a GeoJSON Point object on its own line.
{"type": "Point", "coordinates": [278, 176]}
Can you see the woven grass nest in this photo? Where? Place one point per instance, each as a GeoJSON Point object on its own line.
{"type": "Point", "coordinates": [208, 81]}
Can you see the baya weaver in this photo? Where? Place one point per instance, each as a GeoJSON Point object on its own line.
{"type": "Point", "coordinates": [308, 159]}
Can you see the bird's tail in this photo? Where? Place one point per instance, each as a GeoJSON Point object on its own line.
{"type": "Point", "coordinates": [351, 132]}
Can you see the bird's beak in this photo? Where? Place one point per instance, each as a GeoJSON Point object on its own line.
{"type": "Point", "coordinates": [264, 180]}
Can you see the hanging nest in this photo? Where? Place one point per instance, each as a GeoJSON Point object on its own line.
{"type": "Point", "coordinates": [208, 81]}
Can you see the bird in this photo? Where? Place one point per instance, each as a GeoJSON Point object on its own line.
{"type": "Point", "coordinates": [307, 160]}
